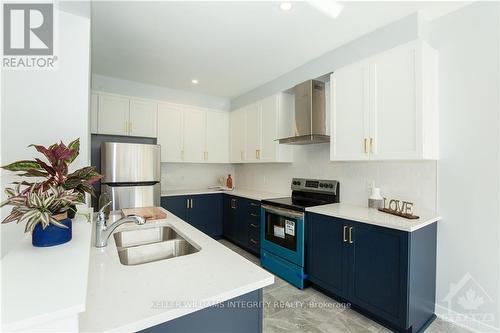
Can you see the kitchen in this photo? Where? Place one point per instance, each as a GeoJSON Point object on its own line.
{"type": "Point", "coordinates": [313, 124]}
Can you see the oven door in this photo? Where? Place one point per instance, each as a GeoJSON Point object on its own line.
{"type": "Point", "coordinates": [282, 233]}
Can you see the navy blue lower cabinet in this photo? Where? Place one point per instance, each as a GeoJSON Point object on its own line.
{"type": "Point", "coordinates": [242, 314]}
{"type": "Point", "coordinates": [379, 271]}
{"type": "Point", "coordinates": [389, 275]}
{"type": "Point", "coordinates": [242, 222]}
{"type": "Point", "coordinates": [325, 251]}
{"type": "Point", "coordinates": [203, 211]}
{"type": "Point", "coordinates": [176, 205]}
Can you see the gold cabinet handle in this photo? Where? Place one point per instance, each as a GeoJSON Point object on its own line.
{"type": "Point", "coordinates": [366, 146]}
{"type": "Point", "coordinates": [191, 203]}
{"type": "Point", "coordinates": [345, 234]}
{"type": "Point", "coordinates": [253, 225]}
{"type": "Point", "coordinates": [372, 141]}
{"type": "Point", "coordinates": [205, 155]}
{"type": "Point", "coordinates": [254, 215]}
{"type": "Point", "coordinates": [350, 235]}
{"type": "Point", "coordinates": [253, 241]}
{"type": "Point", "coordinates": [257, 154]}
{"type": "Point", "coordinates": [233, 203]}
{"type": "Point", "coordinates": [254, 204]}
{"type": "Point", "coordinates": [187, 203]}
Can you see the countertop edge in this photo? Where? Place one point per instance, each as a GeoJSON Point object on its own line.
{"type": "Point", "coordinates": [423, 223]}
{"type": "Point", "coordinates": [166, 317]}
{"type": "Point", "coordinates": [244, 193]}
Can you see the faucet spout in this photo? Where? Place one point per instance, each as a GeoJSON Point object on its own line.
{"type": "Point", "coordinates": [103, 232]}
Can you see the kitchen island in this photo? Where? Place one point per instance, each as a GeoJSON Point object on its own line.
{"type": "Point", "coordinates": [213, 286]}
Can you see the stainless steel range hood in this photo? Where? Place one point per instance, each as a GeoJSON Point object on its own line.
{"type": "Point", "coordinates": [309, 126]}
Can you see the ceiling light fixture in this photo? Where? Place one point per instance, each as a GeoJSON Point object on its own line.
{"type": "Point", "coordinates": [329, 7]}
{"type": "Point", "coordinates": [194, 81]}
{"type": "Point", "coordinates": [286, 6]}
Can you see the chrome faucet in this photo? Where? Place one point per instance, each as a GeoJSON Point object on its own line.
{"type": "Point", "coordinates": [102, 231]}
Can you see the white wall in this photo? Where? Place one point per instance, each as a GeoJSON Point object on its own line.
{"type": "Point", "coordinates": [179, 176]}
{"type": "Point", "coordinates": [138, 89]}
{"type": "Point", "coordinates": [469, 235]}
{"type": "Point", "coordinates": [44, 107]}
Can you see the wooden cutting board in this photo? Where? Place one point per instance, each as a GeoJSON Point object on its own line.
{"type": "Point", "coordinates": [149, 213]}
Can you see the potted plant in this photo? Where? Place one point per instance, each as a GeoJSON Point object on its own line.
{"type": "Point", "coordinates": [45, 205]}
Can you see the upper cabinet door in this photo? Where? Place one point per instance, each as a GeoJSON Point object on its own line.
{"type": "Point", "coordinates": [253, 133]}
{"type": "Point", "coordinates": [395, 117]}
{"type": "Point", "coordinates": [349, 113]}
{"type": "Point", "coordinates": [237, 135]}
{"type": "Point", "coordinates": [194, 134]}
{"type": "Point", "coordinates": [217, 143]}
{"type": "Point", "coordinates": [385, 107]}
{"type": "Point", "coordinates": [113, 115]}
{"type": "Point", "coordinates": [269, 128]}
{"type": "Point", "coordinates": [170, 136]}
{"type": "Point", "coordinates": [143, 120]}
{"type": "Point", "coordinates": [94, 109]}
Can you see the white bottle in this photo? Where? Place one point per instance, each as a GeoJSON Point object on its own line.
{"type": "Point", "coordinates": [375, 200]}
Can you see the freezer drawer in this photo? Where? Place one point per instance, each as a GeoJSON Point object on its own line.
{"type": "Point", "coordinates": [133, 196]}
{"type": "Point", "coordinates": [129, 163]}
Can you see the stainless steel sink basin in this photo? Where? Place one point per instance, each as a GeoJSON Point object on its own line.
{"type": "Point", "coordinates": [144, 236]}
{"type": "Point", "coordinates": [141, 246]}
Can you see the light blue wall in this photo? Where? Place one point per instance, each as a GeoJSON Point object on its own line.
{"type": "Point", "coordinates": [398, 32]}
{"type": "Point", "coordinates": [137, 89]}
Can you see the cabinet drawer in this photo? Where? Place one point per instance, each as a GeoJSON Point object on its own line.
{"type": "Point", "coordinates": [254, 240]}
{"type": "Point", "coordinates": [254, 207]}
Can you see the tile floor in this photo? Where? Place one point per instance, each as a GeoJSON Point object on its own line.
{"type": "Point", "coordinates": [288, 309]}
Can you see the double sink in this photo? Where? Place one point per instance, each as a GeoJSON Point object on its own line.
{"type": "Point", "coordinates": [141, 246]}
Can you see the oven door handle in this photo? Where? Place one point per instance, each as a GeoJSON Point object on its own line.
{"type": "Point", "coordinates": [283, 212]}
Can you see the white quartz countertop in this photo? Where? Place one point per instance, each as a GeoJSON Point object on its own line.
{"type": "Point", "coordinates": [40, 285]}
{"type": "Point", "coordinates": [131, 298]}
{"type": "Point", "coordinates": [375, 217]}
{"type": "Point", "coordinates": [245, 193]}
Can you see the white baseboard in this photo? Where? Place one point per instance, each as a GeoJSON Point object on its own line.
{"type": "Point", "coordinates": [475, 326]}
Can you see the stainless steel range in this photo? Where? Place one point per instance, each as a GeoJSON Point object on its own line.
{"type": "Point", "coordinates": [283, 226]}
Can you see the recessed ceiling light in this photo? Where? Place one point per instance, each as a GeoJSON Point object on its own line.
{"type": "Point", "coordinates": [194, 81]}
{"type": "Point", "coordinates": [285, 6]}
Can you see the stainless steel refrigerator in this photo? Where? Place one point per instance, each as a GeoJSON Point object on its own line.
{"type": "Point", "coordinates": [131, 174]}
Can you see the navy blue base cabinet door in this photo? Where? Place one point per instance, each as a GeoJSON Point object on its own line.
{"type": "Point", "coordinates": [325, 250]}
{"type": "Point", "coordinates": [205, 214]}
{"type": "Point", "coordinates": [176, 205]}
{"type": "Point", "coordinates": [379, 271]}
{"type": "Point", "coordinates": [229, 217]}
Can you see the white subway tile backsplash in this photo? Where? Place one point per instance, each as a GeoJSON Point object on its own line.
{"type": "Point", "coordinates": [414, 181]}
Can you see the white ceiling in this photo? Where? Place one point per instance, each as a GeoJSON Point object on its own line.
{"type": "Point", "coordinates": [230, 47]}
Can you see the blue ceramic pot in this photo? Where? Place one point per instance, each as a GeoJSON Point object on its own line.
{"type": "Point", "coordinates": [52, 235]}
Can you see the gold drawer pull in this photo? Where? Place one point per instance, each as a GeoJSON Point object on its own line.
{"type": "Point", "coordinates": [254, 225]}
{"type": "Point", "coordinates": [350, 235]}
{"type": "Point", "coordinates": [345, 234]}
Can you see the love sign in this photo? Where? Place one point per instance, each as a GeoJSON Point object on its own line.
{"type": "Point", "coordinates": [398, 208]}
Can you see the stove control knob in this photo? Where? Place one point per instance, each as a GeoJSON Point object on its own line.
{"type": "Point", "coordinates": [321, 185]}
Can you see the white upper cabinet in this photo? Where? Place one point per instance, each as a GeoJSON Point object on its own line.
{"type": "Point", "coordinates": [143, 120]}
{"type": "Point", "coordinates": [170, 132]}
{"type": "Point", "coordinates": [256, 128]}
{"type": "Point", "coordinates": [217, 141]}
{"type": "Point", "coordinates": [385, 107]}
{"type": "Point", "coordinates": [253, 130]}
{"type": "Point", "coordinates": [194, 134]}
{"type": "Point", "coordinates": [349, 113]}
{"type": "Point", "coordinates": [122, 115]}
{"type": "Point", "coordinates": [113, 115]}
{"type": "Point", "coordinates": [237, 135]}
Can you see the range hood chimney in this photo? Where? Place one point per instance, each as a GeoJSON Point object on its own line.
{"type": "Point", "coordinates": [309, 126]}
